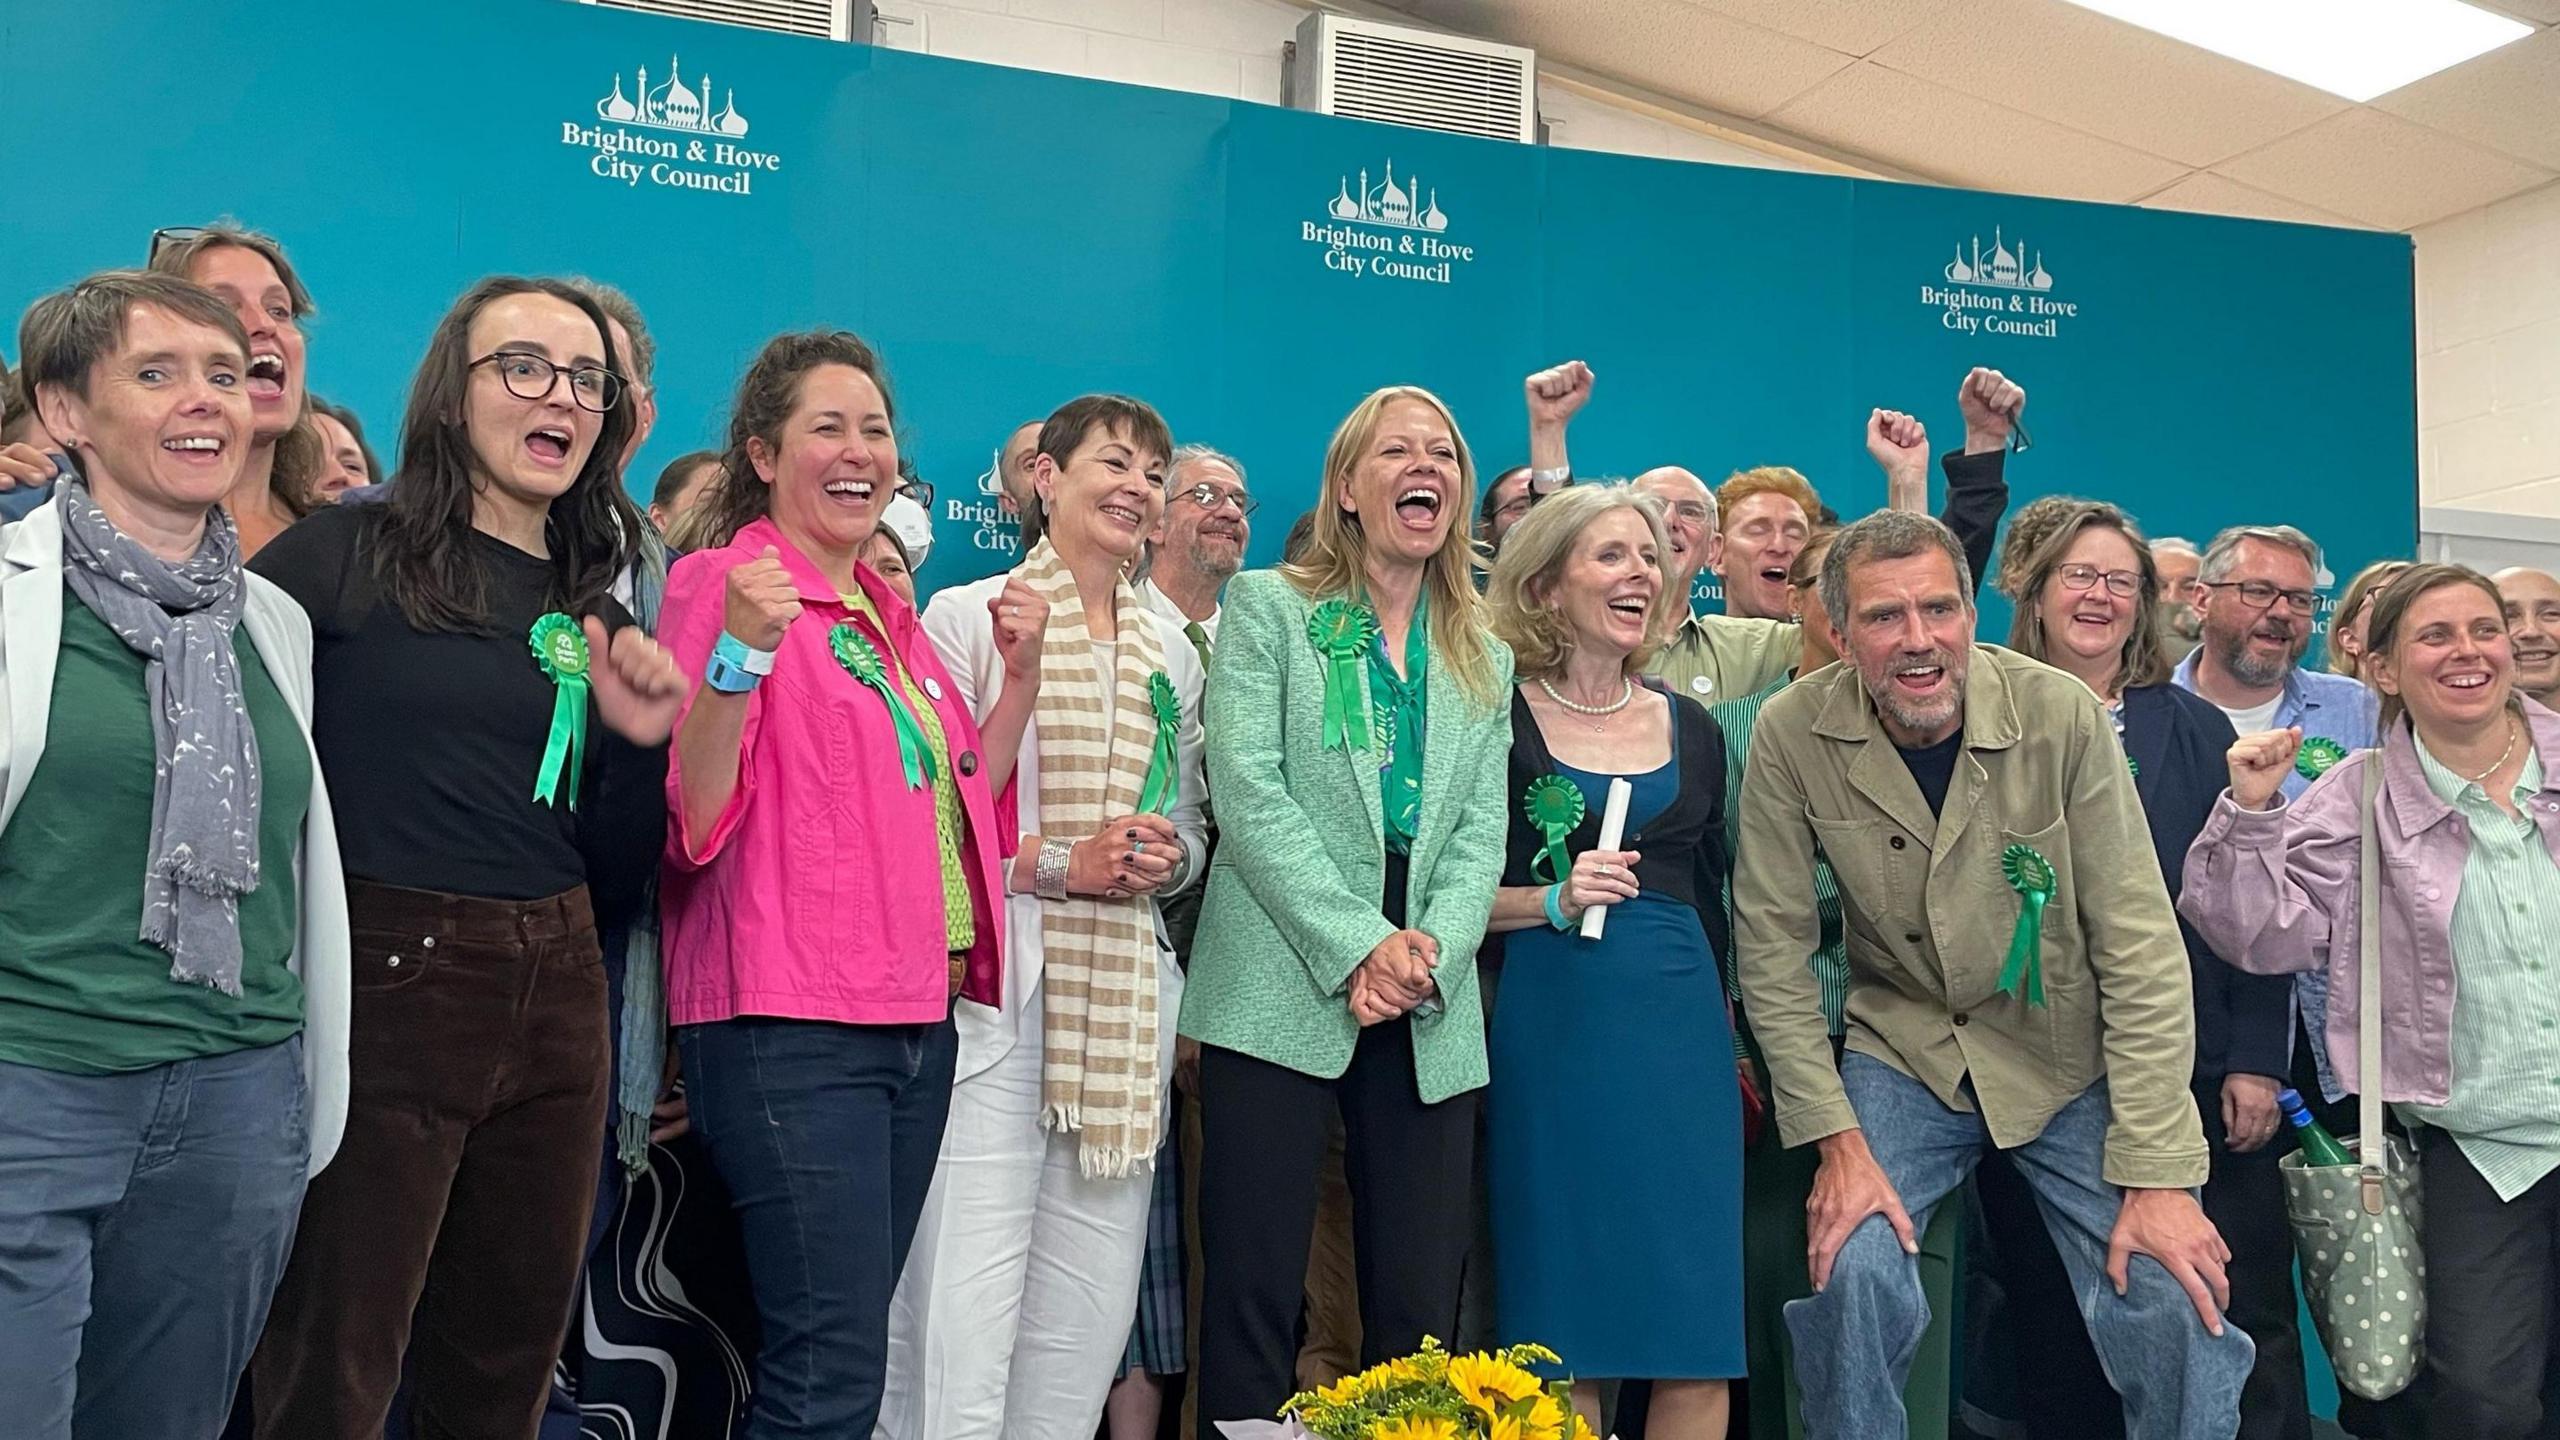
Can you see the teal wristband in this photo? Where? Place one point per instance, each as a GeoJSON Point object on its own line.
{"type": "Point", "coordinates": [1555, 908]}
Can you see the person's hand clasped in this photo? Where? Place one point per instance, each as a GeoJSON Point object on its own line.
{"type": "Point", "coordinates": [1133, 855]}
{"type": "Point", "coordinates": [1395, 977]}
{"type": "Point", "coordinates": [762, 601]}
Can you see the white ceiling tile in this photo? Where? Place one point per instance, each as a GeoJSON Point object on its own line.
{"type": "Point", "coordinates": [2115, 81]}
{"type": "Point", "coordinates": [1852, 27]}
{"type": "Point", "coordinates": [2206, 193]}
{"type": "Point", "coordinates": [2507, 100]}
{"type": "Point", "coordinates": [1690, 54]}
{"type": "Point", "coordinates": [1931, 130]}
{"type": "Point", "coordinates": [2381, 170]}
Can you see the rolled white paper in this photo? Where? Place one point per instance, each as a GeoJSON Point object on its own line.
{"type": "Point", "coordinates": [1613, 829]}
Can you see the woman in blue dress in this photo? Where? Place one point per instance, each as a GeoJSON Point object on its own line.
{"type": "Point", "coordinates": [1614, 1122]}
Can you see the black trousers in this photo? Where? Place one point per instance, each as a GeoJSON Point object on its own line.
{"type": "Point", "coordinates": [1410, 1169]}
{"type": "Point", "coordinates": [2060, 1388]}
{"type": "Point", "coordinates": [2491, 1268]}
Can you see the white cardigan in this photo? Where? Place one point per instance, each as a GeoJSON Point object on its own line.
{"type": "Point", "coordinates": [31, 639]}
{"type": "Point", "coordinates": [963, 633]}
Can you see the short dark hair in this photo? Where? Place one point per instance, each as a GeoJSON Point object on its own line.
{"type": "Point", "coordinates": [1072, 424]}
{"type": "Point", "coordinates": [671, 480]}
{"type": "Point", "coordinates": [1301, 536]}
{"type": "Point", "coordinates": [67, 333]}
{"type": "Point", "coordinates": [1486, 505]}
{"type": "Point", "coordinates": [355, 427]}
{"type": "Point", "coordinates": [1886, 535]}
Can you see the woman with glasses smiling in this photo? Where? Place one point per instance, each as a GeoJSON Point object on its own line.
{"type": "Point", "coordinates": [2087, 596]}
{"type": "Point", "coordinates": [481, 702]}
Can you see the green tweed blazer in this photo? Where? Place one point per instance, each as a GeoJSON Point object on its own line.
{"type": "Point", "coordinates": [1292, 905]}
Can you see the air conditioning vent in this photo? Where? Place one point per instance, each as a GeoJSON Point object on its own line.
{"type": "Point", "coordinates": [826, 19]}
{"type": "Point", "coordinates": [1404, 76]}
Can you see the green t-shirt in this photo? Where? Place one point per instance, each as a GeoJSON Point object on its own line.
{"type": "Point", "coordinates": [80, 991]}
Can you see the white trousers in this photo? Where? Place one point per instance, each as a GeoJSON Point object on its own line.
{"type": "Point", "coordinates": [1022, 1287]}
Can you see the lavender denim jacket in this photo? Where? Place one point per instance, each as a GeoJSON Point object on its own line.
{"type": "Point", "coordinates": [2276, 891]}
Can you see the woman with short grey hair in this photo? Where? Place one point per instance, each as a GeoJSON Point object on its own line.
{"type": "Point", "coordinates": [173, 929]}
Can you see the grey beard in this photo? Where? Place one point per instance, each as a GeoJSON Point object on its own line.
{"type": "Point", "coordinates": [2233, 652]}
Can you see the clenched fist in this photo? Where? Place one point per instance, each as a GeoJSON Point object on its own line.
{"type": "Point", "coordinates": [1897, 441]}
{"type": "Point", "coordinates": [1555, 393]}
{"type": "Point", "coordinates": [1021, 618]}
{"type": "Point", "coordinates": [1990, 403]}
{"type": "Point", "coordinates": [763, 601]}
{"type": "Point", "coordinates": [2259, 764]}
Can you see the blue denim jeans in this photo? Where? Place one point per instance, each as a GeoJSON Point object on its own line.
{"type": "Point", "coordinates": [825, 1136]}
{"type": "Point", "coordinates": [1854, 1341]}
{"type": "Point", "coordinates": [144, 1222]}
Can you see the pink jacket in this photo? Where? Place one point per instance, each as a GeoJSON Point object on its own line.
{"type": "Point", "coordinates": [2275, 891]}
{"type": "Point", "coordinates": [817, 894]}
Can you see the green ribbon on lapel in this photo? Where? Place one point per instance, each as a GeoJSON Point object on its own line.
{"type": "Point", "coordinates": [1342, 632]}
{"type": "Point", "coordinates": [1554, 808]}
{"type": "Point", "coordinates": [2031, 875]}
{"type": "Point", "coordinates": [1163, 762]}
{"type": "Point", "coordinates": [861, 660]}
{"type": "Point", "coordinates": [560, 648]}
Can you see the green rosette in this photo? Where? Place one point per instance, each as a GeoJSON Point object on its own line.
{"type": "Point", "coordinates": [861, 660]}
{"type": "Point", "coordinates": [1163, 762]}
{"type": "Point", "coordinates": [2031, 875]}
{"type": "Point", "coordinates": [560, 648]}
{"type": "Point", "coordinates": [2133, 767]}
{"type": "Point", "coordinates": [1342, 632]}
{"type": "Point", "coordinates": [1554, 808]}
{"type": "Point", "coordinates": [2317, 755]}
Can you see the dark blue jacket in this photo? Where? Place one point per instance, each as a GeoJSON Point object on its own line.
{"type": "Point", "coordinates": [2179, 743]}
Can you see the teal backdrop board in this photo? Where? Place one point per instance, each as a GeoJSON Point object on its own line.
{"type": "Point", "coordinates": [1010, 239]}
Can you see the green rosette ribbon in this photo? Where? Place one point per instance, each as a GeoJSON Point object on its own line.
{"type": "Point", "coordinates": [2317, 755]}
{"type": "Point", "coordinates": [861, 660]}
{"type": "Point", "coordinates": [1342, 632]}
{"type": "Point", "coordinates": [560, 648]}
{"type": "Point", "coordinates": [1163, 762]}
{"type": "Point", "coordinates": [2031, 875]}
{"type": "Point", "coordinates": [1554, 808]}
{"type": "Point", "coordinates": [2133, 767]}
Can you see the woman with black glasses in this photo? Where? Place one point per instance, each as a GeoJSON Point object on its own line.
{"type": "Point", "coordinates": [480, 698]}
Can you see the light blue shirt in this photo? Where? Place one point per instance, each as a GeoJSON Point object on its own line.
{"type": "Point", "coordinates": [2504, 1105]}
{"type": "Point", "coordinates": [2330, 707]}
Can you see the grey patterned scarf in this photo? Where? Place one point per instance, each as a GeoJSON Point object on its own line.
{"type": "Point", "coordinates": [204, 786]}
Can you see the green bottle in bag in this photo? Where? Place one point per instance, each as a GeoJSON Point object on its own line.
{"type": "Point", "coordinates": [2319, 1147]}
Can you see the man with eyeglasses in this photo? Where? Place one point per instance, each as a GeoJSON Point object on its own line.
{"type": "Point", "coordinates": [2255, 595]}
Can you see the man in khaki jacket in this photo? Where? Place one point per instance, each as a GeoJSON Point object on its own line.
{"type": "Point", "coordinates": [2016, 978]}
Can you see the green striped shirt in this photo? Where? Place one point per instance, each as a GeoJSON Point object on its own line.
{"type": "Point", "coordinates": [1830, 963]}
{"type": "Point", "coordinates": [2504, 1108]}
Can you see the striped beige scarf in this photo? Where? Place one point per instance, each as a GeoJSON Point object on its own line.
{"type": "Point", "coordinates": [1098, 1069]}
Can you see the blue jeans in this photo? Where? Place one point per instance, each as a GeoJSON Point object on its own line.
{"type": "Point", "coordinates": [144, 1222]}
{"type": "Point", "coordinates": [1854, 1341]}
{"type": "Point", "coordinates": [825, 1136]}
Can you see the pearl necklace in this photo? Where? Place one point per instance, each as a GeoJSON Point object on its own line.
{"type": "Point", "coordinates": [1596, 713]}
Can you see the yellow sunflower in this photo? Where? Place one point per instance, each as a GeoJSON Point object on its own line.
{"type": "Point", "coordinates": [1489, 1383]}
{"type": "Point", "coordinates": [1416, 1427]}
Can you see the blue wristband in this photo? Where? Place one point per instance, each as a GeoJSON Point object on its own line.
{"type": "Point", "coordinates": [727, 676]}
{"type": "Point", "coordinates": [1555, 908]}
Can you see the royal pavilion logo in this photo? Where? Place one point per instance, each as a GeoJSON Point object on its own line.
{"type": "Point", "coordinates": [1390, 230]}
{"type": "Point", "coordinates": [709, 158]}
{"type": "Point", "coordinates": [2005, 290]}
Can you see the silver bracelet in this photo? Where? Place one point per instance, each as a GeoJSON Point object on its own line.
{"type": "Point", "coordinates": [1049, 871]}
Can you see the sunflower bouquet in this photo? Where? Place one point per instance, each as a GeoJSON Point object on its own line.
{"type": "Point", "coordinates": [1434, 1395]}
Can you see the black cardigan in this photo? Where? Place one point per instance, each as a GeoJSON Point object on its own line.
{"type": "Point", "coordinates": [2179, 742]}
{"type": "Point", "coordinates": [1692, 826]}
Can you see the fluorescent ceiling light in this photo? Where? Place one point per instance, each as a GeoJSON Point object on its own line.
{"type": "Point", "coordinates": [2355, 48]}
